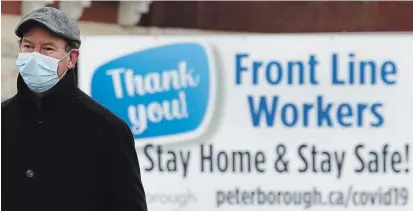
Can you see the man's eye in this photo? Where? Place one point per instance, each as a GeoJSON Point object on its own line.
{"type": "Point", "coordinates": [48, 49]}
{"type": "Point", "coordinates": [27, 46]}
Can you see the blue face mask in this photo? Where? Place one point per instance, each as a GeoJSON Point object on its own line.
{"type": "Point", "coordinates": [38, 71]}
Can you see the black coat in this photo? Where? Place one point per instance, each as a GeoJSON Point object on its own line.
{"type": "Point", "coordinates": [67, 153]}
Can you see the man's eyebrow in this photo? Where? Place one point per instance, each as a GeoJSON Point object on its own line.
{"type": "Point", "coordinates": [50, 43]}
{"type": "Point", "coordinates": [24, 40]}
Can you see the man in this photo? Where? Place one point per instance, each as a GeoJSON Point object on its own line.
{"type": "Point", "coordinates": [60, 149]}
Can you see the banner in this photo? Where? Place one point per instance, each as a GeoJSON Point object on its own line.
{"type": "Point", "coordinates": [273, 122]}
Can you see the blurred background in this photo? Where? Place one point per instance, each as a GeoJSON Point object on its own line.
{"type": "Point", "coordinates": [183, 17]}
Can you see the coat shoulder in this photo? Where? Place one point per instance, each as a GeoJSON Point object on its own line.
{"type": "Point", "coordinates": [5, 104]}
{"type": "Point", "coordinates": [99, 112]}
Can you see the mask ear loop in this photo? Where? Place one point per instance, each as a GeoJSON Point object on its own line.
{"type": "Point", "coordinates": [66, 55]}
{"type": "Point", "coordinates": [61, 60]}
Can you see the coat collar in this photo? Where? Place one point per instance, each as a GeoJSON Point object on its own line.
{"type": "Point", "coordinates": [57, 97]}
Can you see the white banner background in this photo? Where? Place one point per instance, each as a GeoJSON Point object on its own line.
{"type": "Point", "coordinates": [231, 128]}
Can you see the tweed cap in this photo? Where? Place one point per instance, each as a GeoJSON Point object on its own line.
{"type": "Point", "coordinates": [53, 19]}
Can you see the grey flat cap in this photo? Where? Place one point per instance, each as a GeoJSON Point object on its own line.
{"type": "Point", "coordinates": [54, 20]}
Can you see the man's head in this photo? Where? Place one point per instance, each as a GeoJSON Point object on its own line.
{"type": "Point", "coordinates": [40, 39]}
{"type": "Point", "coordinates": [49, 46]}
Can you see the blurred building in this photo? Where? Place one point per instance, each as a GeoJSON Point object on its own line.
{"type": "Point", "coordinates": [147, 17]}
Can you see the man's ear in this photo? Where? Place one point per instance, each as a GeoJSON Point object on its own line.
{"type": "Point", "coordinates": [74, 55]}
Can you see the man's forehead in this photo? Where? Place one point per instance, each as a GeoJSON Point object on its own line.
{"type": "Point", "coordinates": [43, 42]}
{"type": "Point", "coordinates": [40, 35]}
